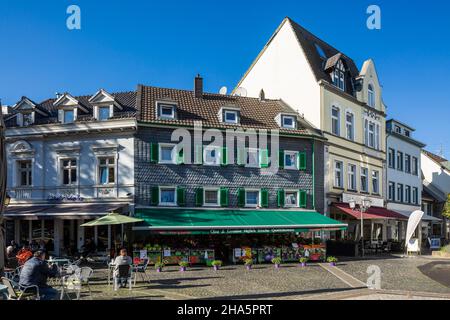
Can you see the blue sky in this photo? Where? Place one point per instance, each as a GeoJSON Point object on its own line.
{"type": "Point", "coordinates": [165, 43]}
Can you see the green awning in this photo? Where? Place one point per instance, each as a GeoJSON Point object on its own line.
{"type": "Point", "coordinates": [221, 221]}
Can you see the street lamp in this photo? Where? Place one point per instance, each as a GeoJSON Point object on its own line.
{"type": "Point", "coordinates": [363, 207]}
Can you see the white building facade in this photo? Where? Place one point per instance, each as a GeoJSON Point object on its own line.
{"type": "Point", "coordinates": [71, 160]}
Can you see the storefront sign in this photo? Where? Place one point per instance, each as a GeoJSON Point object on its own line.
{"type": "Point", "coordinates": [435, 243]}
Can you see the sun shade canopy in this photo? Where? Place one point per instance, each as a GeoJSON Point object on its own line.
{"type": "Point", "coordinates": [373, 213]}
{"type": "Point", "coordinates": [110, 219]}
{"type": "Point", "coordinates": [234, 221]}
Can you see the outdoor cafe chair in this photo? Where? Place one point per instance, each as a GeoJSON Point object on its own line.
{"type": "Point", "coordinates": [16, 292]}
{"type": "Point", "coordinates": [71, 283]}
{"type": "Point", "coordinates": [141, 270]}
{"type": "Point", "coordinates": [124, 272]}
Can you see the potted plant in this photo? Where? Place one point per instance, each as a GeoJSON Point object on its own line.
{"type": "Point", "coordinates": [276, 261]}
{"type": "Point", "coordinates": [303, 261]}
{"type": "Point", "coordinates": [332, 261]}
{"type": "Point", "coordinates": [248, 263]}
{"type": "Point", "coordinates": [183, 265]}
{"type": "Point", "coordinates": [159, 266]}
{"type": "Point", "coordinates": [216, 264]}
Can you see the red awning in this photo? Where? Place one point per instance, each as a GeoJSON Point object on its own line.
{"type": "Point", "coordinates": [371, 214]}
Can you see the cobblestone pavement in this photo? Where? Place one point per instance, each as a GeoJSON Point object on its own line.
{"type": "Point", "coordinates": [397, 273]}
{"type": "Point", "coordinates": [288, 282]}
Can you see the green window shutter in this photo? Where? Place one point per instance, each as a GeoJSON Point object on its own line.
{"type": "Point", "coordinates": [301, 160]}
{"type": "Point", "coordinates": [241, 197]}
{"type": "Point", "coordinates": [264, 198]}
{"type": "Point", "coordinates": [302, 200]}
{"type": "Point", "coordinates": [155, 196]}
{"type": "Point", "coordinates": [223, 197]}
{"type": "Point", "coordinates": [198, 157]}
{"type": "Point", "coordinates": [281, 159]}
{"type": "Point", "coordinates": [154, 150]}
{"type": "Point", "coordinates": [264, 158]}
{"type": "Point", "coordinates": [224, 156]}
{"type": "Point", "coordinates": [199, 197]}
{"type": "Point", "coordinates": [180, 157]}
{"type": "Point", "coordinates": [241, 156]}
{"type": "Point", "coordinates": [181, 196]}
{"type": "Point", "coordinates": [280, 198]}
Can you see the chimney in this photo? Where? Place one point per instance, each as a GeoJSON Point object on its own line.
{"type": "Point", "coordinates": [198, 86]}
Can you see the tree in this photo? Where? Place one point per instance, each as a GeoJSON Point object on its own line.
{"type": "Point", "coordinates": [446, 212]}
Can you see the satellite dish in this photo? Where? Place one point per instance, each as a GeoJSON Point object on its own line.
{"type": "Point", "coordinates": [223, 90]}
{"type": "Point", "coordinates": [241, 92]}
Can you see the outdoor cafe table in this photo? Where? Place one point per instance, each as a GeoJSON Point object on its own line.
{"type": "Point", "coordinates": [59, 262]}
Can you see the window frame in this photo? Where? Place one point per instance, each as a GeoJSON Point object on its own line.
{"type": "Point", "coordinates": [168, 204]}
{"type": "Point", "coordinates": [366, 175]}
{"type": "Point", "coordinates": [415, 195]}
{"type": "Point", "coordinates": [339, 75]}
{"type": "Point", "coordinates": [391, 191]}
{"type": "Point", "coordinates": [371, 101]}
{"type": "Point", "coordinates": [28, 173]}
{"type": "Point", "coordinates": [351, 177]}
{"type": "Point", "coordinates": [377, 192]}
{"type": "Point", "coordinates": [415, 166]}
{"type": "Point", "coordinates": [107, 166]}
{"type": "Point", "coordinates": [247, 157]}
{"type": "Point", "coordinates": [217, 190]}
{"type": "Point", "coordinates": [337, 119]}
{"type": "Point", "coordinates": [292, 126]}
{"type": "Point", "coordinates": [391, 156]}
{"type": "Point", "coordinates": [99, 109]}
{"type": "Point", "coordinates": [70, 167]}
{"type": "Point", "coordinates": [258, 202]}
{"type": "Point", "coordinates": [230, 111]}
{"type": "Point", "coordinates": [350, 124]}
{"type": "Point", "coordinates": [217, 158]}
{"type": "Point", "coordinates": [295, 166]}
{"type": "Point", "coordinates": [161, 105]}
{"type": "Point", "coordinates": [400, 159]}
{"type": "Point", "coordinates": [64, 111]}
{"type": "Point", "coordinates": [407, 194]}
{"type": "Point", "coordinates": [341, 172]}
{"type": "Point", "coordinates": [297, 193]}
{"type": "Point", "coordinates": [407, 163]}
{"type": "Point", "coordinates": [173, 154]}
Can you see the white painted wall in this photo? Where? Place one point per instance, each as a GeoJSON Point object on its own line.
{"type": "Point", "coordinates": [284, 73]}
{"type": "Point", "coordinates": [435, 174]}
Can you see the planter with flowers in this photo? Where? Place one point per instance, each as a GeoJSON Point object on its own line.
{"type": "Point", "coordinates": [303, 261]}
{"type": "Point", "coordinates": [248, 263]}
{"type": "Point", "coordinates": [277, 262]}
{"type": "Point", "coordinates": [183, 265]}
{"type": "Point", "coordinates": [159, 266]}
{"type": "Point", "coordinates": [332, 261]}
{"type": "Point", "coordinates": [216, 264]}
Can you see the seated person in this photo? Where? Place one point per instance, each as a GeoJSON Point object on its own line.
{"type": "Point", "coordinates": [11, 250]}
{"type": "Point", "coordinates": [122, 259]}
{"type": "Point", "coordinates": [23, 255]}
{"type": "Point", "coordinates": [35, 273]}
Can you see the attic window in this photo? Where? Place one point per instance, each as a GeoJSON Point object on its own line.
{"type": "Point", "coordinates": [288, 122]}
{"type": "Point", "coordinates": [69, 116]}
{"type": "Point", "coordinates": [166, 111]}
{"type": "Point", "coordinates": [27, 119]}
{"type": "Point", "coordinates": [230, 116]}
{"type": "Point", "coordinates": [339, 75]}
{"type": "Point", "coordinates": [103, 113]}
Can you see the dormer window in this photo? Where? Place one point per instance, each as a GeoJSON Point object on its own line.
{"type": "Point", "coordinates": [166, 111]}
{"type": "Point", "coordinates": [104, 113]}
{"type": "Point", "coordinates": [27, 119]}
{"type": "Point", "coordinates": [371, 96]}
{"type": "Point", "coordinates": [288, 122]}
{"type": "Point", "coordinates": [407, 133]}
{"type": "Point", "coordinates": [69, 116]}
{"type": "Point", "coordinates": [339, 75]}
{"type": "Point", "coordinates": [398, 129]}
{"type": "Point", "coordinates": [230, 116]}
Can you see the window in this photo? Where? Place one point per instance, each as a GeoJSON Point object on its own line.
{"type": "Point", "coordinates": [391, 158]}
{"type": "Point", "coordinates": [335, 123]}
{"type": "Point", "coordinates": [408, 194]}
{"type": "Point", "coordinates": [69, 171]}
{"type": "Point", "coordinates": [415, 166]}
{"type": "Point", "coordinates": [375, 182]}
{"type": "Point", "coordinates": [291, 198]}
{"type": "Point", "coordinates": [398, 129]}
{"type": "Point", "coordinates": [24, 173]}
{"type": "Point", "coordinates": [339, 75]}
{"type": "Point", "coordinates": [69, 116]}
{"type": "Point", "coordinates": [211, 197]}
{"type": "Point", "coordinates": [253, 157]}
{"type": "Point", "coordinates": [371, 96]}
{"type": "Point", "coordinates": [211, 156]}
{"type": "Point", "coordinates": [351, 177]}
{"type": "Point", "coordinates": [399, 192]}
{"type": "Point", "coordinates": [349, 125]}
{"type": "Point", "coordinates": [106, 170]}
{"type": "Point", "coordinates": [167, 196]}
{"type": "Point", "coordinates": [27, 119]}
{"type": "Point", "coordinates": [391, 192]}
{"type": "Point", "coordinates": [166, 153]}
{"type": "Point", "coordinates": [103, 113]}
{"type": "Point", "coordinates": [290, 160]}
{"type": "Point", "coordinates": [338, 165]}
{"type": "Point", "coordinates": [288, 122]}
{"type": "Point", "coordinates": [407, 163]}
{"type": "Point", "coordinates": [407, 133]}
{"type": "Point", "coordinates": [372, 134]}
{"type": "Point", "coordinates": [399, 161]}
{"type": "Point", "coordinates": [415, 195]}
{"type": "Point", "coordinates": [166, 111]}
{"type": "Point", "coordinates": [364, 180]}
{"type": "Point", "coordinates": [251, 198]}
{"type": "Point", "coordinates": [230, 116]}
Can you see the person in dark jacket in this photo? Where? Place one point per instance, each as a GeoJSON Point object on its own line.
{"type": "Point", "coordinates": [35, 273]}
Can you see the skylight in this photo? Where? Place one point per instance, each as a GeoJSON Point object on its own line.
{"type": "Point", "coordinates": [320, 51]}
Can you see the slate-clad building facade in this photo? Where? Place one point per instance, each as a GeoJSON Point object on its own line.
{"type": "Point", "coordinates": [220, 177]}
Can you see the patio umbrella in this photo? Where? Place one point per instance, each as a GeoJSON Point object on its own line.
{"type": "Point", "coordinates": [111, 219]}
